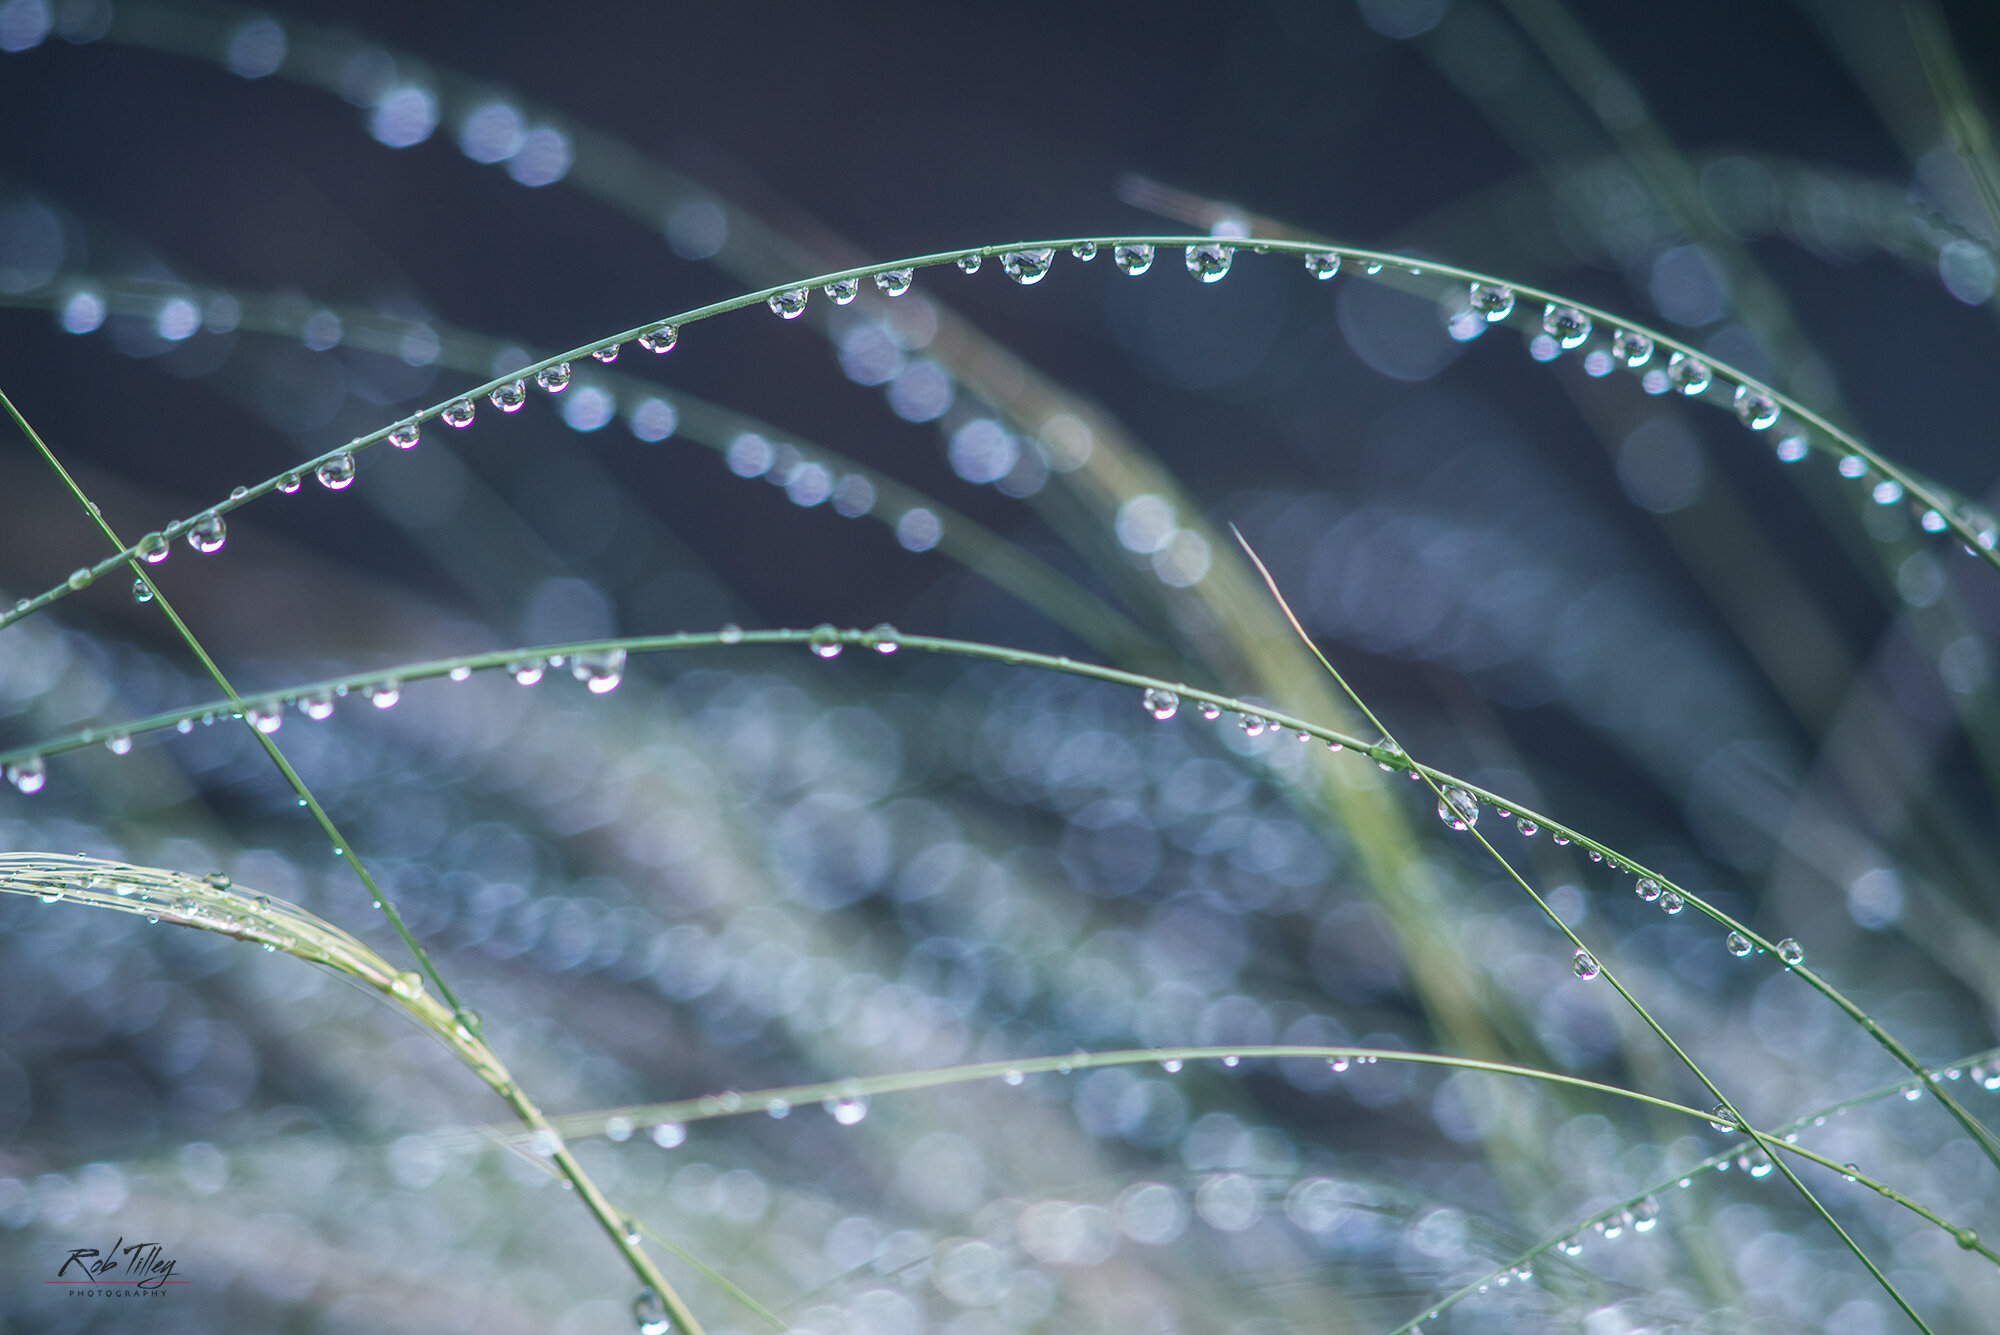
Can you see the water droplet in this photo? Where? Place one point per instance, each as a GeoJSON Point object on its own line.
{"type": "Point", "coordinates": [1527, 827]}
{"type": "Point", "coordinates": [265, 718]}
{"type": "Point", "coordinates": [154, 548]}
{"type": "Point", "coordinates": [408, 986]}
{"type": "Point", "coordinates": [208, 533]}
{"type": "Point", "coordinates": [1027, 267]}
{"type": "Point", "coordinates": [406, 436]}
{"type": "Point", "coordinates": [1689, 375]}
{"type": "Point", "coordinates": [1172, 1065]}
{"type": "Point", "coordinates": [554, 379]}
{"type": "Point", "coordinates": [458, 414]}
{"type": "Point", "coordinates": [1966, 1238]}
{"type": "Point", "coordinates": [1492, 300]}
{"type": "Point", "coordinates": [1646, 888]}
{"type": "Point", "coordinates": [1567, 325]}
{"type": "Point", "coordinates": [842, 292]}
{"type": "Point", "coordinates": [1084, 250]}
{"type": "Point", "coordinates": [1013, 1077]}
{"type": "Point", "coordinates": [1231, 1061]}
{"type": "Point", "coordinates": [337, 473]}
{"type": "Point", "coordinates": [894, 282]}
{"type": "Point", "coordinates": [462, 672]}
{"type": "Point", "coordinates": [1888, 491]}
{"type": "Point", "coordinates": [1988, 1079]}
{"type": "Point", "coordinates": [607, 354]}
{"type": "Point", "coordinates": [1754, 408]}
{"type": "Point", "coordinates": [1162, 705]}
{"type": "Point", "coordinates": [883, 638]}
{"type": "Point", "coordinates": [384, 694]}
{"type": "Point", "coordinates": [848, 1109]}
{"type": "Point", "coordinates": [1632, 348]}
{"type": "Point", "coordinates": [1209, 261]}
{"type": "Point", "coordinates": [1737, 944]}
{"type": "Point", "coordinates": [1134, 259]}
{"type": "Point", "coordinates": [731, 634]}
{"type": "Point", "coordinates": [1571, 1246]}
{"type": "Point", "coordinates": [1252, 725]}
{"type": "Point", "coordinates": [509, 397]}
{"type": "Point", "coordinates": [318, 706]}
{"type": "Point", "coordinates": [1791, 952]}
{"type": "Point", "coordinates": [1211, 712]}
{"type": "Point", "coordinates": [1372, 268]}
{"type": "Point", "coordinates": [1584, 965]}
{"type": "Point", "coordinates": [1323, 264]}
{"type": "Point", "coordinates": [628, 1225]}
{"type": "Point", "coordinates": [824, 641]}
{"type": "Point", "coordinates": [1458, 809]}
{"type": "Point", "coordinates": [649, 1313]}
{"type": "Point", "coordinates": [661, 340]}
{"type": "Point", "coordinates": [469, 1024]}
{"type": "Point", "coordinates": [667, 1135]}
{"type": "Point", "coordinates": [600, 672]}
{"type": "Point", "coordinates": [289, 484]}
{"type": "Point", "coordinates": [29, 774]}
{"type": "Point", "coordinates": [790, 305]}
{"type": "Point", "coordinates": [526, 671]}
{"type": "Point", "coordinates": [1721, 1118]}
{"type": "Point", "coordinates": [970, 263]}
{"type": "Point", "coordinates": [1672, 902]}
{"type": "Point", "coordinates": [1645, 1215]}
{"type": "Point", "coordinates": [1913, 1093]}
{"type": "Point", "coordinates": [777, 1109]}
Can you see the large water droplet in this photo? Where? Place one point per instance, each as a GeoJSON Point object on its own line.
{"type": "Point", "coordinates": [337, 473]}
{"type": "Point", "coordinates": [599, 672]}
{"type": "Point", "coordinates": [824, 642]}
{"type": "Point", "coordinates": [1210, 711]}
{"type": "Point", "coordinates": [318, 706]}
{"type": "Point", "coordinates": [119, 744]}
{"type": "Point", "coordinates": [384, 694]}
{"type": "Point", "coordinates": [1737, 944]}
{"type": "Point", "coordinates": [1645, 1214]}
{"type": "Point", "coordinates": [649, 1313]}
{"type": "Point", "coordinates": [1754, 408]}
{"type": "Point", "coordinates": [509, 397]}
{"type": "Point", "coordinates": [730, 634]}
{"type": "Point", "coordinates": [527, 671]}
{"type": "Point", "coordinates": [154, 548]}
{"type": "Point", "coordinates": [1567, 325]}
{"type": "Point", "coordinates": [1646, 888]}
{"type": "Point", "coordinates": [661, 340]}
{"type": "Point", "coordinates": [790, 305]}
{"type": "Point", "coordinates": [883, 638]}
{"type": "Point", "coordinates": [290, 483]}
{"type": "Point", "coordinates": [208, 533]}
{"type": "Point", "coordinates": [406, 436]}
{"type": "Point", "coordinates": [1162, 705]}
{"type": "Point", "coordinates": [1672, 902]}
{"type": "Point", "coordinates": [1458, 809]}
{"type": "Point", "coordinates": [970, 263]}
{"type": "Point", "coordinates": [29, 774]}
{"type": "Point", "coordinates": [1632, 348]}
{"type": "Point", "coordinates": [265, 718]}
{"type": "Point", "coordinates": [1492, 300]}
{"type": "Point", "coordinates": [554, 379]}
{"type": "Point", "coordinates": [1134, 259]}
{"type": "Point", "coordinates": [1527, 827]}
{"type": "Point", "coordinates": [1084, 250]}
{"type": "Point", "coordinates": [1323, 264]}
{"type": "Point", "coordinates": [1791, 952]}
{"type": "Point", "coordinates": [1253, 725]}
{"type": "Point", "coordinates": [848, 1109]}
{"type": "Point", "coordinates": [1584, 965]}
{"type": "Point", "coordinates": [842, 292]}
{"type": "Point", "coordinates": [668, 1135]}
{"type": "Point", "coordinates": [1027, 267]}
{"type": "Point", "coordinates": [894, 282]}
{"type": "Point", "coordinates": [1209, 261]}
{"type": "Point", "coordinates": [607, 354]}
{"type": "Point", "coordinates": [1689, 375]}
{"type": "Point", "coordinates": [1721, 1118]}
{"type": "Point", "coordinates": [458, 414]}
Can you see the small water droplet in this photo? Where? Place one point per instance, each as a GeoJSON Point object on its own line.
{"type": "Point", "coordinates": [1689, 375]}
{"type": "Point", "coordinates": [1133, 260]}
{"type": "Point", "coordinates": [1231, 1061]}
{"type": "Point", "coordinates": [1754, 408]}
{"type": "Point", "coordinates": [79, 579]}
{"type": "Point", "coordinates": [661, 340]}
{"type": "Point", "coordinates": [1632, 348]}
{"type": "Point", "coordinates": [883, 638]}
{"type": "Point", "coordinates": [265, 718]}
{"type": "Point", "coordinates": [1527, 827]}
{"type": "Point", "coordinates": [554, 379]}
{"type": "Point", "coordinates": [1252, 725]}
{"type": "Point", "coordinates": [1791, 952]}
{"type": "Point", "coordinates": [1013, 1077]}
{"type": "Point", "coordinates": [777, 1109]}
{"type": "Point", "coordinates": [1567, 325]}
{"type": "Point", "coordinates": [1492, 300]}
{"type": "Point", "coordinates": [667, 1135]}
{"type": "Point", "coordinates": [1672, 902]}
{"type": "Point", "coordinates": [408, 986]}
{"type": "Point", "coordinates": [1584, 965]}
{"type": "Point", "coordinates": [1162, 705]}
{"type": "Point", "coordinates": [1458, 809]}
{"type": "Point", "coordinates": [894, 282]}
{"type": "Point", "coordinates": [290, 483]}
{"type": "Point", "coordinates": [337, 473]}
{"type": "Point", "coordinates": [1913, 1093]}
{"type": "Point", "coordinates": [469, 1024]}
{"type": "Point", "coordinates": [1737, 944]}
{"type": "Point", "coordinates": [1372, 268]}
{"type": "Point", "coordinates": [1646, 888]}
{"type": "Point", "coordinates": [1966, 1238]}
{"type": "Point", "coordinates": [848, 1109]}
{"type": "Point", "coordinates": [1171, 1065]}
{"type": "Point", "coordinates": [824, 641]}
{"type": "Point", "coordinates": [1084, 250]}
{"type": "Point", "coordinates": [1571, 1246]}
{"type": "Point", "coordinates": [1645, 1215]}
{"type": "Point", "coordinates": [462, 672]}
{"type": "Point", "coordinates": [1323, 264]}
{"type": "Point", "coordinates": [526, 671]}
{"type": "Point", "coordinates": [789, 305]}
{"type": "Point", "coordinates": [649, 1313]}
{"type": "Point", "coordinates": [384, 694]}
{"type": "Point", "coordinates": [1721, 1118]}
{"type": "Point", "coordinates": [970, 263]}
{"type": "Point", "coordinates": [842, 291]}
{"type": "Point", "coordinates": [731, 634]}
{"type": "Point", "coordinates": [1027, 267]}
{"type": "Point", "coordinates": [1209, 261]}
{"type": "Point", "coordinates": [208, 533]}
{"type": "Point", "coordinates": [1211, 712]}
{"type": "Point", "coordinates": [118, 744]}
{"type": "Point", "coordinates": [318, 706]}
{"type": "Point", "coordinates": [509, 397]}
{"type": "Point", "coordinates": [458, 414]}
{"type": "Point", "coordinates": [406, 436]}
{"type": "Point", "coordinates": [600, 672]}
{"type": "Point", "coordinates": [606, 354]}
{"type": "Point", "coordinates": [154, 548]}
